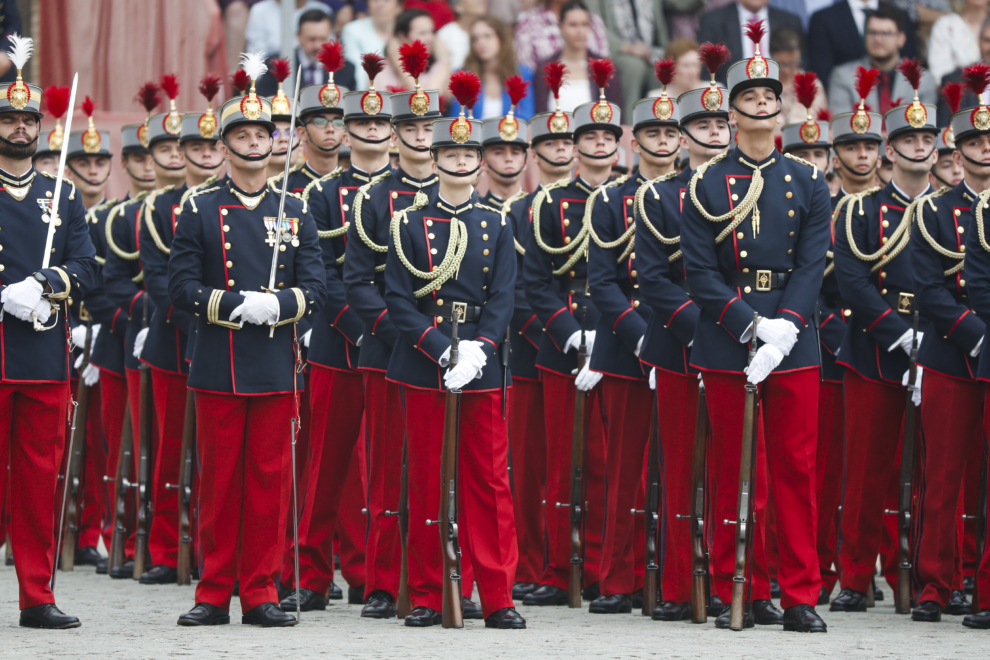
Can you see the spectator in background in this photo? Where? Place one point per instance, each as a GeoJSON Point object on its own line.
{"type": "Point", "coordinates": [493, 59]}
{"type": "Point", "coordinates": [785, 49]}
{"type": "Point", "coordinates": [884, 39]}
{"type": "Point", "coordinates": [369, 34]}
{"type": "Point", "coordinates": [264, 28]}
{"type": "Point", "coordinates": [413, 25]}
{"type": "Point", "coordinates": [803, 9]}
{"type": "Point", "coordinates": [728, 23]}
{"type": "Point", "coordinates": [345, 11]}
{"type": "Point", "coordinates": [235, 21]}
{"type": "Point", "coordinates": [637, 34]}
{"type": "Point", "coordinates": [922, 14]}
{"type": "Point", "coordinates": [538, 35]}
{"type": "Point", "coordinates": [314, 31]}
{"type": "Point", "coordinates": [688, 76]}
{"type": "Point", "coordinates": [968, 100]}
{"type": "Point", "coordinates": [439, 10]}
{"type": "Point", "coordinates": [954, 41]}
{"type": "Point", "coordinates": [578, 88]}
{"type": "Point", "coordinates": [455, 35]}
{"type": "Point", "coordinates": [837, 35]}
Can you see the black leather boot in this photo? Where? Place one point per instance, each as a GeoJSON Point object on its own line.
{"type": "Point", "coordinates": [204, 614]}
{"type": "Point", "coordinates": [47, 616]}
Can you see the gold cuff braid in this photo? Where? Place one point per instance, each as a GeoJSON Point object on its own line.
{"type": "Point", "coordinates": [301, 307]}
{"type": "Point", "coordinates": [213, 311]}
{"type": "Point", "coordinates": [65, 280]}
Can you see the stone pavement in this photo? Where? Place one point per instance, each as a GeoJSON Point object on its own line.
{"type": "Point", "coordinates": [122, 619]}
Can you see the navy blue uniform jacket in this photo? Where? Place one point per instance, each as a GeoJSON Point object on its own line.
{"type": "Point", "coordinates": [527, 331]}
{"type": "Point", "coordinates": [107, 352]}
{"type": "Point", "coordinates": [833, 315]}
{"type": "Point", "coordinates": [978, 273]}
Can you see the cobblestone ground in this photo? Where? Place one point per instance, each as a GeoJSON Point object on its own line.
{"type": "Point", "coordinates": [122, 619]}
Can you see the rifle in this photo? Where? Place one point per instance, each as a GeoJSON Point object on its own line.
{"type": "Point", "coordinates": [452, 616]}
{"type": "Point", "coordinates": [744, 506]}
{"type": "Point", "coordinates": [184, 561]}
{"type": "Point", "coordinates": [142, 552]}
{"type": "Point", "coordinates": [294, 426]}
{"type": "Point", "coordinates": [902, 600]}
{"type": "Point", "coordinates": [75, 468]}
{"type": "Point", "coordinates": [403, 605]}
{"type": "Point", "coordinates": [578, 440]}
{"type": "Point", "coordinates": [981, 532]}
{"type": "Point", "coordinates": [122, 489]}
{"type": "Point", "coordinates": [700, 590]}
{"type": "Point", "coordinates": [504, 351]}
{"type": "Point", "coordinates": [651, 513]}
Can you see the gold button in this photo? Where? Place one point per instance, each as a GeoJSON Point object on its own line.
{"type": "Point", "coordinates": [281, 266]}
{"type": "Point", "coordinates": [433, 250]}
{"type": "Point", "coordinates": [281, 248]}
{"type": "Point", "coordinates": [565, 205]}
{"type": "Point", "coordinates": [747, 289]}
{"type": "Point", "coordinates": [53, 250]}
{"type": "Point", "coordinates": [281, 284]}
{"type": "Point", "coordinates": [230, 264]}
{"type": "Point", "coordinates": [346, 208]}
{"type": "Point", "coordinates": [432, 235]}
{"type": "Point", "coordinates": [962, 248]}
{"type": "Point", "coordinates": [883, 239]}
{"type": "Point", "coordinates": [735, 197]}
{"type": "Point", "coordinates": [744, 254]}
{"type": "Point", "coordinates": [740, 235]}
{"type": "Point", "coordinates": [226, 246]}
{"type": "Point", "coordinates": [790, 214]}
{"type": "Point", "coordinates": [230, 282]}
{"type": "Point", "coordinates": [485, 253]}
{"type": "Point", "coordinates": [789, 194]}
{"type": "Point", "coordinates": [573, 305]}
{"type": "Point", "coordinates": [226, 227]}
{"type": "Point", "coordinates": [745, 270]}
{"type": "Point", "coordinates": [483, 224]}
{"type": "Point", "coordinates": [567, 239]}
{"type": "Point", "coordinates": [787, 177]}
{"type": "Point", "coordinates": [883, 274]}
{"type": "Point", "coordinates": [962, 282]}
{"type": "Point", "coordinates": [223, 211]}
{"type": "Point", "coordinates": [440, 301]}
{"type": "Point", "coordinates": [885, 223]}
{"type": "Point", "coordinates": [484, 237]}
{"type": "Point", "coordinates": [884, 208]}
{"type": "Point", "coordinates": [961, 230]}
{"type": "Point", "coordinates": [847, 312]}
{"type": "Point", "coordinates": [789, 251]}
{"type": "Point", "coordinates": [1, 267]}
{"type": "Point", "coordinates": [732, 181]}
{"type": "Point", "coordinates": [48, 193]}
{"type": "Point", "coordinates": [567, 223]}
{"type": "Point", "coordinates": [791, 234]}
{"type": "Point", "coordinates": [632, 256]}
{"type": "Point", "coordinates": [958, 213]}
{"type": "Point", "coordinates": [883, 292]}
{"type": "Point", "coordinates": [485, 269]}
{"type": "Point", "coordinates": [635, 303]}
{"type": "Point", "coordinates": [429, 223]}
{"type": "Point", "coordinates": [571, 273]}
{"type": "Point", "coordinates": [344, 192]}
{"type": "Point", "coordinates": [439, 319]}
{"type": "Point", "coordinates": [395, 195]}
{"type": "Point", "coordinates": [633, 273]}
{"type": "Point", "coordinates": [628, 202]}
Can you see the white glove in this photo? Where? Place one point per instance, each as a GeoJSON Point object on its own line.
{"type": "Point", "coordinates": [468, 350]}
{"type": "Point", "coordinates": [43, 310]}
{"type": "Point", "coordinates": [359, 340]}
{"type": "Point", "coordinates": [976, 351]}
{"type": "Point", "coordinates": [306, 336]}
{"type": "Point", "coordinates": [653, 378]}
{"type": "Point", "coordinates": [586, 378]}
{"type": "Point", "coordinates": [79, 336]}
{"type": "Point", "coordinates": [904, 341]}
{"type": "Point", "coordinates": [90, 375]}
{"type": "Point", "coordinates": [22, 297]}
{"type": "Point", "coordinates": [575, 340]}
{"type": "Point", "coordinates": [765, 361]}
{"type": "Point", "coordinates": [258, 308]}
{"type": "Point", "coordinates": [463, 373]}
{"type": "Point", "coordinates": [916, 395]}
{"type": "Point", "coordinates": [639, 346]}
{"type": "Point", "coordinates": [780, 333]}
{"type": "Point", "coordinates": [139, 342]}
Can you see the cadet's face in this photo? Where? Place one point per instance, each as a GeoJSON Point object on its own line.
{"type": "Point", "coordinates": [860, 157]}
{"type": "Point", "coordinates": [975, 148]}
{"type": "Point", "coordinates": [913, 145]}
{"type": "Point", "coordinates": [249, 140]}
{"type": "Point", "coordinates": [18, 127]}
{"type": "Point", "coordinates": [659, 140]}
{"type": "Point", "coordinates": [324, 129]}
{"type": "Point", "coordinates": [817, 157]}
{"type": "Point", "coordinates": [598, 143]}
{"type": "Point", "coordinates": [459, 160]}
{"type": "Point", "coordinates": [505, 159]}
{"type": "Point", "coordinates": [89, 173]}
{"type": "Point", "coordinates": [419, 134]}
{"type": "Point", "coordinates": [168, 152]}
{"type": "Point", "coordinates": [559, 151]}
{"type": "Point", "coordinates": [202, 153]}
{"type": "Point", "coordinates": [709, 130]}
{"type": "Point", "coordinates": [759, 102]}
{"type": "Point", "coordinates": [948, 168]}
{"type": "Point", "coordinates": [369, 129]}
{"type": "Point", "coordinates": [140, 167]}
{"type": "Point", "coordinates": [47, 164]}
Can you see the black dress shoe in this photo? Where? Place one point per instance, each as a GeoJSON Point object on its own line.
{"type": "Point", "coordinates": [88, 556]}
{"type": "Point", "coordinates": [927, 610]}
{"type": "Point", "coordinates": [592, 592]}
{"type": "Point", "coordinates": [668, 610]}
{"type": "Point", "coordinates": [268, 615]}
{"type": "Point", "coordinates": [204, 614]}
{"type": "Point", "coordinates": [506, 619]}
{"type": "Point", "coordinates": [470, 609]}
{"type": "Point", "coordinates": [355, 595]}
{"type": "Point", "coordinates": [615, 604]}
{"type": "Point", "coordinates": [423, 617]}
{"type": "Point", "coordinates": [160, 574]}
{"type": "Point", "coordinates": [969, 582]}
{"type": "Point", "coordinates": [803, 618]}
{"type": "Point", "coordinates": [958, 605]}
{"type": "Point", "coordinates": [124, 571]}
{"type": "Point", "coordinates": [716, 607]}
{"type": "Point", "coordinates": [102, 567]}
{"type": "Point", "coordinates": [637, 600]}
{"type": "Point", "coordinates": [849, 601]}
{"type": "Point", "coordinates": [47, 616]}
{"type": "Point", "coordinates": [774, 588]}
{"type": "Point", "coordinates": [284, 591]}
{"type": "Point", "coordinates": [521, 589]}
{"type": "Point", "coordinates": [380, 605]}
{"type": "Point", "coordinates": [765, 614]}
{"type": "Point", "coordinates": [980, 621]}
{"type": "Point", "coordinates": [823, 596]}
{"type": "Point", "coordinates": [335, 592]}
{"type": "Point", "coordinates": [9, 561]}
{"type": "Point", "coordinates": [309, 600]}
{"type": "Point", "coordinates": [722, 620]}
{"type": "Point", "coordinates": [546, 594]}
{"type": "Point", "coordinates": [877, 593]}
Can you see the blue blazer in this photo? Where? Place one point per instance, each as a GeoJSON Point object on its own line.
{"type": "Point", "coordinates": [526, 107]}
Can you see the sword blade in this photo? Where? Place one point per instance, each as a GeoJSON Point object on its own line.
{"type": "Point", "coordinates": [60, 176]}
{"type": "Point", "coordinates": [285, 181]}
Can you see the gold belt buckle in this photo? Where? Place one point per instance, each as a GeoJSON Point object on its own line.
{"type": "Point", "coordinates": [904, 302]}
{"type": "Point", "coordinates": [458, 311]}
{"type": "Point", "coordinates": [763, 278]}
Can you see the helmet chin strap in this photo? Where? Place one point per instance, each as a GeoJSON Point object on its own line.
{"type": "Point", "coordinates": [510, 175]}
{"type": "Point", "coordinates": [409, 146]}
{"type": "Point", "coordinates": [326, 150]}
{"type": "Point", "coordinates": [703, 144]}
{"type": "Point", "coordinates": [974, 162]}
{"type": "Point", "coordinates": [22, 144]}
{"type": "Point", "coordinates": [459, 174]}
{"type": "Point", "coordinates": [566, 163]}
{"type": "Point", "coordinates": [657, 154]}
{"type": "Point", "coordinates": [76, 172]}
{"type": "Point", "coordinates": [292, 148]}
{"type": "Point", "coordinates": [135, 177]}
{"type": "Point", "coordinates": [757, 117]}
{"type": "Point", "coordinates": [908, 158]}
{"type": "Point", "coordinates": [204, 167]}
{"type": "Point", "coordinates": [857, 173]}
{"type": "Point", "coordinates": [242, 156]}
{"type": "Point", "coordinates": [366, 140]}
{"type": "Point", "coordinates": [605, 157]}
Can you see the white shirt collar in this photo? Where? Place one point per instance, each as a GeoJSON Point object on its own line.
{"type": "Point", "coordinates": [859, 8]}
{"type": "Point", "coordinates": [903, 194]}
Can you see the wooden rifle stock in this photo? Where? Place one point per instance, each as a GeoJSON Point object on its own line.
{"type": "Point", "coordinates": [122, 491]}
{"type": "Point", "coordinates": [651, 513]}
{"type": "Point", "coordinates": [403, 605]}
{"type": "Point", "coordinates": [451, 616]}
{"type": "Point", "coordinates": [700, 594]}
{"type": "Point", "coordinates": [902, 599]}
{"type": "Point", "coordinates": [77, 461]}
{"type": "Point", "coordinates": [578, 441]}
{"type": "Point", "coordinates": [184, 561]}
{"type": "Point", "coordinates": [981, 532]}
{"type": "Point", "coordinates": [744, 505]}
{"type": "Point", "coordinates": [142, 557]}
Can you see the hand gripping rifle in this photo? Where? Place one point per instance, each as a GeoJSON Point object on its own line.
{"type": "Point", "coordinates": [122, 490]}
{"type": "Point", "coordinates": [902, 600]}
{"type": "Point", "coordinates": [184, 561]}
{"type": "Point", "coordinates": [142, 553]}
{"type": "Point", "coordinates": [744, 507]}
{"type": "Point", "coordinates": [578, 441]}
{"type": "Point", "coordinates": [651, 513]}
{"type": "Point", "coordinates": [452, 616]}
{"type": "Point", "coordinates": [700, 586]}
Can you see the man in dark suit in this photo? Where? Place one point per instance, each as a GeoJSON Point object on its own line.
{"type": "Point", "coordinates": [836, 34]}
{"type": "Point", "coordinates": [726, 24]}
{"type": "Point", "coordinates": [315, 30]}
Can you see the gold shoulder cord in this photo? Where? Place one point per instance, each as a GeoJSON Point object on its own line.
{"type": "Point", "coordinates": [114, 212]}
{"type": "Point", "coordinates": [362, 194]}
{"type": "Point", "coordinates": [984, 202]}
{"type": "Point", "coordinates": [829, 254]}
{"type": "Point", "coordinates": [91, 217]}
{"type": "Point", "coordinates": [195, 190]}
{"type": "Point", "coordinates": [796, 159]}
{"type": "Point", "coordinates": [149, 208]}
{"type": "Point", "coordinates": [896, 242]}
{"type": "Point", "coordinates": [451, 260]}
{"type": "Point", "coordinates": [740, 212]}
{"type": "Point", "coordinates": [274, 180]}
{"type": "Point", "coordinates": [506, 207]}
{"type": "Point", "coordinates": [919, 218]}
{"type": "Point", "coordinates": [314, 183]}
{"type": "Point", "coordinates": [544, 193]}
{"type": "Point", "coordinates": [640, 206]}
{"type": "Point", "coordinates": [72, 193]}
{"type": "Point", "coordinates": [589, 209]}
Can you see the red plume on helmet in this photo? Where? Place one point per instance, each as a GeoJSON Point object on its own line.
{"type": "Point", "coordinates": [806, 89]}
{"type": "Point", "coordinates": [517, 89]}
{"type": "Point", "coordinates": [601, 72]}
{"type": "Point", "coordinates": [665, 69]}
{"type": "Point", "coordinates": [169, 83]}
{"type": "Point", "coordinates": [414, 58]}
{"type": "Point", "coordinates": [824, 114]}
{"type": "Point", "coordinates": [465, 86]}
{"type": "Point", "coordinates": [88, 107]}
{"type": "Point", "coordinates": [866, 80]}
{"type": "Point", "coordinates": [240, 81]}
{"type": "Point", "coordinates": [952, 92]}
{"type": "Point", "coordinates": [373, 64]}
{"type": "Point", "coordinates": [713, 56]}
{"type": "Point", "coordinates": [57, 100]}
{"type": "Point", "coordinates": [331, 56]}
{"type": "Point", "coordinates": [149, 97]}
{"type": "Point", "coordinates": [280, 69]}
{"type": "Point", "coordinates": [209, 85]}
{"type": "Point", "coordinates": [553, 75]}
{"type": "Point", "coordinates": [977, 78]}
{"type": "Point", "coordinates": [91, 137]}
{"type": "Point", "coordinates": [755, 31]}
{"type": "Point", "coordinates": [911, 69]}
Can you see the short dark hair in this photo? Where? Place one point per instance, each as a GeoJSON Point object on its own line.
{"type": "Point", "coordinates": [888, 12]}
{"type": "Point", "coordinates": [785, 38]}
{"type": "Point", "coordinates": [312, 16]}
{"type": "Point", "coordinates": [403, 23]}
{"type": "Point", "coordinates": [573, 5]}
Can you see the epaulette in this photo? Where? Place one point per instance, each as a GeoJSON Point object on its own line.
{"type": "Point", "coordinates": [316, 182]}
{"type": "Point", "coordinates": [72, 195]}
{"type": "Point", "coordinates": [114, 212]}
{"type": "Point", "coordinates": [102, 206]}
{"type": "Point", "coordinates": [362, 194]}
{"type": "Point", "coordinates": [149, 209]}
{"type": "Point", "coordinates": [589, 209]}
{"type": "Point", "coordinates": [193, 194]}
{"type": "Point", "coordinates": [982, 202]}
{"type": "Point", "coordinates": [190, 191]}
{"type": "Point", "coordinates": [272, 180]}
{"type": "Point", "coordinates": [796, 159]}
{"type": "Point", "coordinates": [537, 208]}
{"type": "Point", "coordinates": [920, 219]}
{"type": "Point", "coordinates": [420, 201]}
{"type": "Point", "coordinates": [498, 212]}
{"type": "Point", "coordinates": [640, 213]}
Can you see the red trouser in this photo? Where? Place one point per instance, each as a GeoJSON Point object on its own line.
{"type": "Point", "coordinates": [384, 428]}
{"type": "Point", "coordinates": [245, 461]}
{"type": "Point", "coordinates": [874, 412]}
{"type": "Point", "coordinates": [95, 507]}
{"type": "Point", "coordinates": [788, 432]}
{"type": "Point", "coordinates": [32, 437]}
{"type": "Point", "coordinates": [828, 480]}
{"type": "Point", "coordinates": [677, 399]}
{"type": "Point", "coordinates": [304, 460]}
{"type": "Point", "coordinates": [134, 398]}
{"type": "Point", "coordinates": [113, 400]}
{"type": "Point", "coordinates": [528, 444]}
{"type": "Point", "coordinates": [558, 410]}
{"type": "Point", "coordinates": [952, 411]}
{"type": "Point", "coordinates": [983, 570]}
{"type": "Point", "coordinates": [971, 494]}
{"type": "Point", "coordinates": [352, 522]}
{"type": "Point", "coordinates": [170, 408]}
{"type": "Point", "coordinates": [337, 402]}
{"type": "Point", "coordinates": [486, 525]}
{"type": "Point", "coordinates": [628, 406]}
